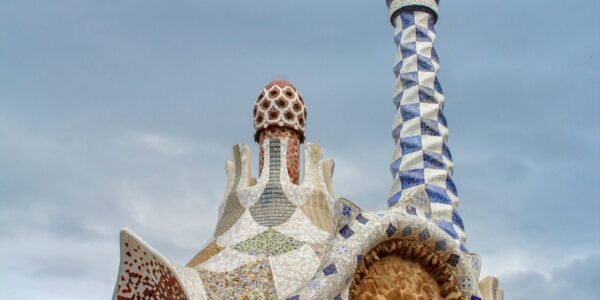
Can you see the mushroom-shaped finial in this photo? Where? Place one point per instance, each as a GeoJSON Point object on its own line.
{"type": "Point", "coordinates": [279, 105]}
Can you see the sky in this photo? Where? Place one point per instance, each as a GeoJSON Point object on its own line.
{"type": "Point", "coordinates": [122, 114]}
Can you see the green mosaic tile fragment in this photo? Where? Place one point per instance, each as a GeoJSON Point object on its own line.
{"type": "Point", "coordinates": [269, 243]}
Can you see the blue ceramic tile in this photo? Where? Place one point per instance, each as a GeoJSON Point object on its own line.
{"type": "Point", "coordinates": [453, 260]}
{"type": "Point", "coordinates": [409, 79]}
{"type": "Point", "coordinates": [347, 211]}
{"type": "Point", "coordinates": [397, 68]}
{"type": "Point", "coordinates": [330, 270]}
{"type": "Point", "coordinates": [446, 151]}
{"type": "Point", "coordinates": [346, 231]}
{"type": "Point", "coordinates": [422, 34]}
{"type": "Point", "coordinates": [437, 195]}
{"type": "Point", "coordinates": [408, 49]}
{"type": "Point", "coordinates": [391, 230]}
{"type": "Point", "coordinates": [411, 178]}
{"type": "Point", "coordinates": [408, 19]}
{"type": "Point", "coordinates": [429, 127]}
{"type": "Point", "coordinates": [425, 64]}
{"type": "Point", "coordinates": [361, 219]}
{"type": "Point", "coordinates": [398, 99]}
{"type": "Point", "coordinates": [395, 166]}
{"type": "Point", "coordinates": [435, 56]}
{"type": "Point", "coordinates": [433, 160]}
{"type": "Point", "coordinates": [394, 199]}
{"type": "Point", "coordinates": [457, 220]}
{"type": "Point", "coordinates": [411, 144]}
{"type": "Point", "coordinates": [440, 245]}
{"type": "Point", "coordinates": [442, 119]}
{"type": "Point", "coordinates": [450, 186]}
{"type": "Point", "coordinates": [438, 86]}
{"type": "Point", "coordinates": [448, 228]}
{"type": "Point", "coordinates": [427, 95]}
{"type": "Point", "coordinates": [410, 111]}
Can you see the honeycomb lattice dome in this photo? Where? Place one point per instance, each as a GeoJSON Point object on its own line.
{"type": "Point", "coordinates": [279, 104]}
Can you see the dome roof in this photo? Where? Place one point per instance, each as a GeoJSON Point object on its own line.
{"type": "Point", "coordinates": [279, 104]}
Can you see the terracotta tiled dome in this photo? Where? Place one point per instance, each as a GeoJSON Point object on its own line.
{"type": "Point", "coordinates": [279, 104]}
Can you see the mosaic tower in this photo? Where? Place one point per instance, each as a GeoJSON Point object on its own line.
{"type": "Point", "coordinates": [421, 158]}
{"type": "Point", "coordinates": [280, 112]}
{"type": "Point", "coordinates": [280, 236]}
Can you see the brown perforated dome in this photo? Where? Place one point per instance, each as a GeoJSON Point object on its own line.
{"type": "Point", "coordinates": [279, 104]}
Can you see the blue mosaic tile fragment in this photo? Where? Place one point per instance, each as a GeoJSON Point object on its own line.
{"type": "Point", "coordinates": [475, 297]}
{"type": "Point", "coordinates": [398, 38]}
{"type": "Point", "coordinates": [346, 231]}
{"type": "Point", "coordinates": [411, 210]}
{"type": "Point", "coordinates": [422, 34]}
{"type": "Point", "coordinates": [338, 297]}
{"type": "Point", "coordinates": [435, 56]}
{"type": "Point", "coordinates": [437, 194]}
{"type": "Point", "coordinates": [450, 185]}
{"type": "Point", "coordinates": [397, 68]}
{"type": "Point", "coordinates": [427, 95]}
{"type": "Point", "coordinates": [412, 178]}
{"type": "Point", "coordinates": [407, 231]}
{"type": "Point", "coordinates": [409, 79]}
{"type": "Point", "coordinates": [398, 99]}
{"type": "Point", "coordinates": [447, 227]}
{"type": "Point", "coordinates": [423, 235]}
{"type": "Point", "coordinates": [446, 151]}
{"type": "Point", "coordinates": [408, 19]}
{"type": "Point", "coordinates": [440, 245]}
{"type": "Point", "coordinates": [393, 200]}
{"type": "Point", "coordinates": [457, 220]}
{"type": "Point", "coordinates": [361, 219]}
{"type": "Point", "coordinates": [429, 127]}
{"type": "Point", "coordinates": [453, 260]}
{"type": "Point", "coordinates": [396, 133]}
{"type": "Point", "coordinates": [391, 230]}
{"type": "Point", "coordinates": [430, 21]}
{"type": "Point", "coordinates": [438, 86]}
{"type": "Point", "coordinates": [433, 160]}
{"type": "Point", "coordinates": [359, 259]}
{"type": "Point", "coordinates": [411, 144]}
{"type": "Point", "coordinates": [408, 49]}
{"type": "Point", "coordinates": [295, 297]}
{"type": "Point", "coordinates": [410, 111]}
{"type": "Point", "coordinates": [395, 165]}
{"type": "Point", "coordinates": [330, 269]}
{"type": "Point", "coordinates": [347, 211]}
{"type": "Point", "coordinates": [442, 119]}
{"type": "Point", "coordinates": [425, 64]}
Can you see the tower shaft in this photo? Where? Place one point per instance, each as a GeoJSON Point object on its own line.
{"type": "Point", "coordinates": [421, 158]}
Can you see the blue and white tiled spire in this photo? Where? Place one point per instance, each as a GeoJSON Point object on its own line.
{"type": "Point", "coordinates": [421, 159]}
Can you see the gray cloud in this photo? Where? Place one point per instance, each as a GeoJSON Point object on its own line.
{"type": "Point", "coordinates": [577, 280]}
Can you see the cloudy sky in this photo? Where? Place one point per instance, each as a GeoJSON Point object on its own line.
{"type": "Point", "coordinates": [122, 114]}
